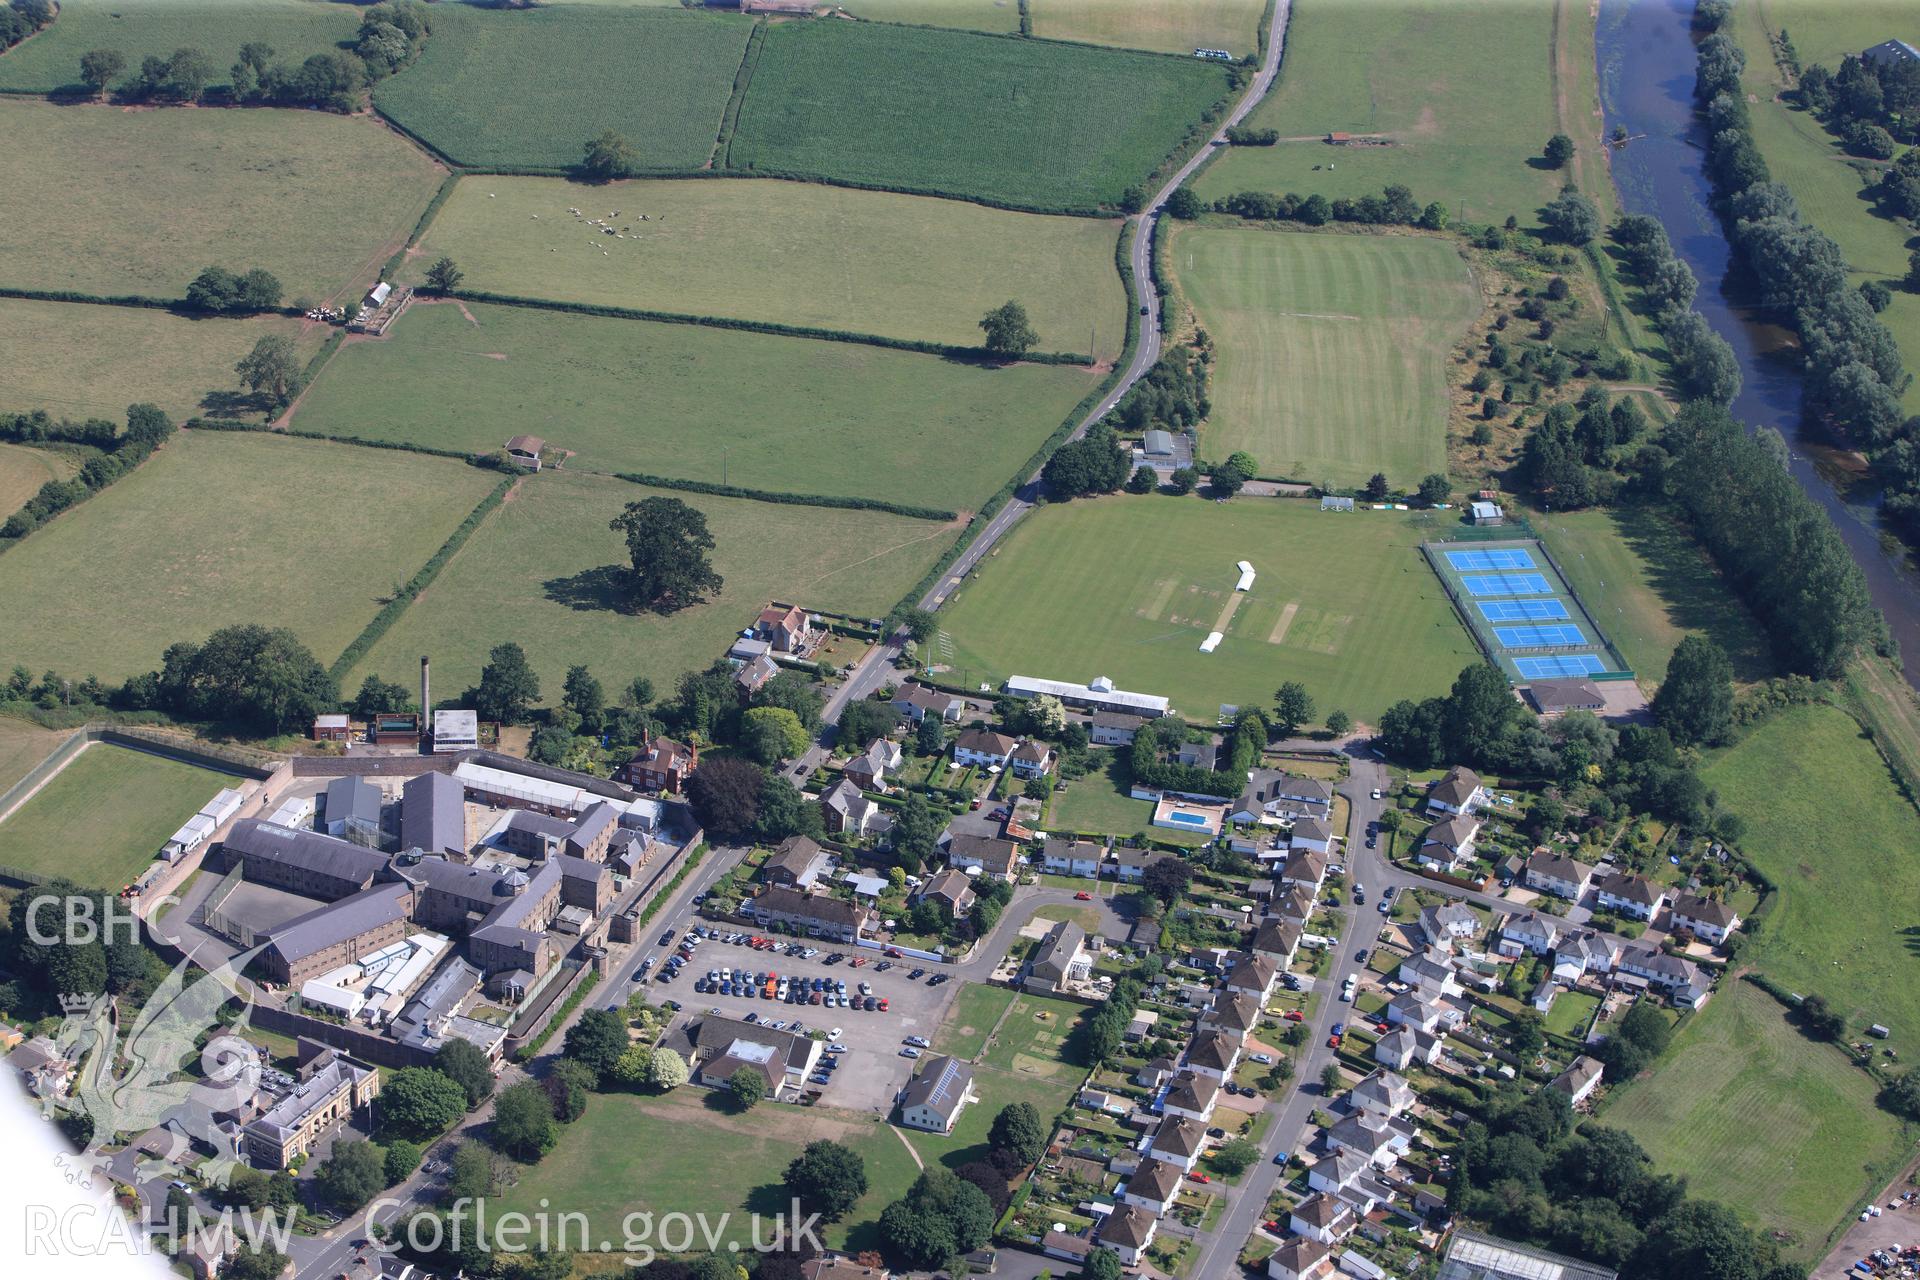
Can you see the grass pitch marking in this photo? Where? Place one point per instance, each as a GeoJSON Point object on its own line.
{"type": "Point", "coordinates": [1226, 614]}
{"type": "Point", "coordinates": [1163, 594]}
{"type": "Point", "coordinates": [1279, 633]}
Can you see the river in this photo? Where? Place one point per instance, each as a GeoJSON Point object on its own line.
{"type": "Point", "coordinates": [1646, 62]}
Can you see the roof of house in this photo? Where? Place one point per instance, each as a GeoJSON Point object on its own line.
{"type": "Point", "coordinates": [1296, 903]}
{"type": "Point", "coordinates": [433, 814]}
{"type": "Point", "coordinates": [1631, 888]}
{"type": "Point", "coordinates": [1180, 1135]}
{"type": "Point", "coordinates": [780, 900]}
{"type": "Point", "coordinates": [1129, 1225]}
{"type": "Point", "coordinates": [994, 856]}
{"type": "Point", "coordinates": [1075, 849]}
{"type": "Point", "coordinates": [662, 754]}
{"type": "Point", "coordinates": [926, 699]}
{"type": "Point", "coordinates": [952, 884]}
{"type": "Point", "coordinates": [1277, 937]}
{"type": "Point", "coordinates": [877, 758]}
{"type": "Point", "coordinates": [1446, 915]}
{"type": "Point", "coordinates": [845, 797]}
{"type": "Point", "coordinates": [1342, 1166]}
{"type": "Point", "coordinates": [796, 856]}
{"type": "Point", "coordinates": [1456, 787]}
{"type": "Point", "coordinates": [1211, 1049]}
{"type": "Point", "coordinates": [1554, 866]}
{"type": "Point", "coordinates": [1321, 1210]}
{"type": "Point", "coordinates": [1154, 1180]}
{"type": "Point", "coordinates": [1235, 1009]}
{"type": "Point", "coordinates": [941, 1087]}
{"type": "Point", "coordinates": [985, 742]}
{"type": "Point", "coordinates": [792, 617]}
{"type": "Point", "coordinates": [1383, 1090]}
{"type": "Point", "coordinates": [1032, 752]}
{"type": "Point", "coordinates": [1576, 1077]}
{"type": "Point", "coordinates": [1301, 1253]}
{"type": "Point", "coordinates": [1531, 923]}
{"type": "Point", "coordinates": [1251, 972]}
{"type": "Point", "coordinates": [1455, 832]}
{"type": "Point", "coordinates": [526, 444]}
{"type": "Point", "coordinates": [1706, 910]}
{"type": "Point", "coordinates": [1304, 865]}
{"type": "Point", "coordinates": [1058, 949]}
{"type": "Point", "coordinates": [307, 850]}
{"type": "Point", "coordinates": [1117, 720]}
{"type": "Point", "coordinates": [1565, 695]}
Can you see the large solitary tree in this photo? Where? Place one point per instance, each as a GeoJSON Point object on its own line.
{"type": "Point", "coordinates": [667, 542]}
{"type": "Point", "coordinates": [1008, 331]}
{"type": "Point", "coordinates": [828, 1178]}
{"type": "Point", "coordinates": [270, 371]}
{"type": "Point", "coordinates": [607, 157]}
{"type": "Point", "coordinates": [101, 67]}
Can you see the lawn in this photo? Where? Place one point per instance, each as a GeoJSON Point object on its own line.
{"type": "Point", "coordinates": [1757, 1116]}
{"type": "Point", "coordinates": [24, 744]}
{"type": "Point", "coordinates": [1646, 581]}
{"type": "Point", "coordinates": [1023, 122]}
{"type": "Point", "coordinates": [696, 403]}
{"type": "Point", "coordinates": [1832, 193]}
{"type": "Point", "coordinates": [797, 253]}
{"type": "Point", "coordinates": [534, 573]}
{"type": "Point", "coordinates": [1095, 803]}
{"type": "Point", "coordinates": [50, 61]}
{"type": "Point", "coordinates": [974, 1011]}
{"type": "Point", "coordinates": [1025, 1062]}
{"type": "Point", "coordinates": [1165, 26]}
{"type": "Point", "coordinates": [531, 86]}
{"type": "Point", "coordinates": [1571, 1013]}
{"type": "Point", "coordinates": [1464, 88]}
{"type": "Point", "coordinates": [1843, 928]}
{"type": "Point", "coordinates": [1128, 587]}
{"type": "Point", "coordinates": [319, 200]}
{"type": "Point", "coordinates": [104, 817]}
{"type": "Point", "coordinates": [82, 361]}
{"type": "Point", "coordinates": [161, 556]}
{"type": "Point", "coordinates": [1332, 348]}
{"type": "Point", "coordinates": [1000, 16]}
{"type": "Point", "coordinates": [24, 470]}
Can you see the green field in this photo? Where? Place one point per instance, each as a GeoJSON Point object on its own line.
{"type": "Point", "coordinates": [81, 361]}
{"type": "Point", "coordinates": [1755, 1115]}
{"type": "Point", "coordinates": [1464, 88]}
{"type": "Point", "coordinates": [1128, 588]}
{"type": "Point", "coordinates": [531, 86]}
{"type": "Point", "coordinates": [219, 529]}
{"type": "Point", "coordinates": [1645, 580]}
{"type": "Point", "coordinates": [786, 414]}
{"type": "Point", "coordinates": [1000, 16]}
{"type": "Point", "coordinates": [50, 61]}
{"type": "Point", "coordinates": [24, 470]}
{"type": "Point", "coordinates": [319, 200]}
{"type": "Point", "coordinates": [528, 574]}
{"type": "Point", "coordinates": [1332, 348]}
{"type": "Point", "coordinates": [797, 253]}
{"type": "Point", "coordinates": [23, 744]}
{"type": "Point", "coordinates": [1024, 1063]}
{"type": "Point", "coordinates": [1017, 121]}
{"type": "Point", "coordinates": [1843, 928]}
{"type": "Point", "coordinates": [1165, 26]}
{"type": "Point", "coordinates": [974, 1011]}
{"type": "Point", "coordinates": [1831, 192]}
{"type": "Point", "coordinates": [104, 817]}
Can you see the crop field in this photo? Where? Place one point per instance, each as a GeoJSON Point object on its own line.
{"type": "Point", "coordinates": [1017, 121]}
{"type": "Point", "coordinates": [162, 556]}
{"type": "Point", "coordinates": [1463, 88]}
{"type": "Point", "coordinates": [530, 87]}
{"type": "Point", "coordinates": [1737, 1079]}
{"type": "Point", "coordinates": [166, 193]}
{"type": "Point", "coordinates": [24, 470]}
{"type": "Point", "coordinates": [798, 253]}
{"type": "Point", "coordinates": [793, 415]}
{"type": "Point", "coordinates": [24, 744]}
{"type": "Point", "coordinates": [1646, 581]}
{"type": "Point", "coordinates": [1164, 26]}
{"type": "Point", "coordinates": [81, 361]}
{"type": "Point", "coordinates": [1128, 587]}
{"type": "Point", "coordinates": [103, 817]}
{"type": "Point", "coordinates": [537, 571]}
{"type": "Point", "coordinates": [1842, 928]}
{"type": "Point", "coordinates": [999, 16]}
{"type": "Point", "coordinates": [1332, 348]}
{"type": "Point", "coordinates": [50, 61]}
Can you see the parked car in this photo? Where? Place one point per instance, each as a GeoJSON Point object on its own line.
{"type": "Point", "coordinates": [909, 1053]}
{"type": "Point", "coordinates": [916, 974]}
{"type": "Point", "coordinates": [1083, 896]}
{"type": "Point", "coordinates": [1294, 1015]}
{"type": "Point", "coordinates": [937, 979]}
{"type": "Point", "coordinates": [1199, 1177]}
{"type": "Point", "coordinates": [918, 1042]}
{"type": "Point", "coordinates": [883, 1004]}
{"type": "Point", "coordinates": [1264, 1059]}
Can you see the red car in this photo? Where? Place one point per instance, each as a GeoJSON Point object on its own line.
{"type": "Point", "coordinates": [1083, 896]}
{"type": "Point", "coordinates": [883, 1004]}
{"type": "Point", "coordinates": [858, 961]}
{"type": "Point", "coordinates": [1294, 1015]}
{"type": "Point", "coordinates": [893, 953]}
{"type": "Point", "coordinates": [1333, 1042]}
{"type": "Point", "coordinates": [1200, 1177]}
{"type": "Point", "coordinates": [1273, 1225]}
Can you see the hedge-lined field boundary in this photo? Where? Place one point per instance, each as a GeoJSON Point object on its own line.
{"type": "Point", "coordinates": [788, 499]}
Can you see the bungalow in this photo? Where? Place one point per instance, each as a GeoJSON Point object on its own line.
{"type": "Point", "coordinates": [1448, 843]}
{"type": "Point", "coordinates": [1154, 1186]}
{"type": "Point", "coordinates": [1557, 697]}
{"type": "Point", "coordinates": [1178, 1141]}
{"type": "Point", "coordinates": [1031, 759]}
{"type": "Point", "coordinates": [847, 809]}
{"type": "Point", "coordinates": [1405, 1045]}
{"type": "Point", "coordinates": [1705, 918]}
{"type": "Point", "coordinates": [1115, 728]}
{"type": "Point", "coordinates": [1060, 961]}
{"type": "Point", "coordinates": [1458, 792]}
{"type": "Point", "coordinates": [1277, 939]}
{"type": "Point", "coordinates": [1201, 754]}
{"type": "Point", "coordinates": [1529, 932]}
{"type": "Point", "coordinates": [1072, 857]}
{"type": "Point", "coordinates": [1311, 834]}
{"type": "Point", "coordinates": [1066, 1247]}
{"type": "Point", "coordinates": [1100, 1100]}
{"type": "Point", "coordinates": [983, 748]}
{"type": "Point", "coordinates": [1254, 974]}
{"type": "Point", "coordinates": [916, 702]}
{"type": "Point", "coordinates": [660, 765]}
{"type": "Point", "coordinates": [950, 889]}
{"type": "Point", "coordinates": [1321, 1217]}
{"type": "Point", "coordinates": [1579, 1080]}
{"type": "Point", "coordinates": [787, 630]}
{"type": "Point", "coordinates": [870, 768]}
{"type": "Point", "coordinates": [796, 864]}
{"type": "Point", "coordinates": [1192, 1096]}
{"type": "Point", "coordinates": [1301, 1258]}
{"type": "Point", "coordinates": [933, 1100]}
{"type": "Point", "coordinates": [1305, 868]}
{"type": "Point", "coordinates": [997, 858]}
{"type": "Point", "coordinates": [1448, 923]}
{"type": "Point", "coordinates": [816, 915]}
{"type": "Point", "coordinates": [1561, 876]}
{"type": "Point", "coordinates": [1213, 1053]}
{"type": "Point", "coordinates": [1128, 1231]}
{"type": "Point", "coordinates": [1630, 895]}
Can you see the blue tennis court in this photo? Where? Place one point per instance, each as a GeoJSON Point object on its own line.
{"type": "Point", "coordinates": [1523, 610]}
{"type": "Point", "coordinates": [1540, 637]}
{"type": "Point", "coordinates": [1499, 558]}
{"type": "Point", "coordinates": [1563, 664]}
{"type": "Point", "coordinates": [1507, 584]}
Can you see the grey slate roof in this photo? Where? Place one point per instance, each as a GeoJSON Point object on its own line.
{"type": "Point", "coordinates": [307, 850]}
{"type": "Point", "coordinates": [941, 1086]}
{"type": "Point", "coordinates": [433, 814]}
{"type": "Point", "coordinates": [337, 921]}
{"type": "Point", "coordinates": [352, 799]}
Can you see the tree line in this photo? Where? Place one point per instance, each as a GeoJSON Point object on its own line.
{"type": "Point", "coordinates": [21, 18]}
{"type": "Point", "coordinates": [116, 453]}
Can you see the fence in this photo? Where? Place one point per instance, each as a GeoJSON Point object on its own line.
{"type": "Point", "coordinates": [1482, 628]}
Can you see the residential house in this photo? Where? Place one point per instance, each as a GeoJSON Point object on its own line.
{"type": "Point", "coordinates": [1459, 791]}
{"type": "Point", "coordinates": [1192, 1096]}
{"type": "Point", "coordinates": [997, 858]}
{"type": "Point", "coordinates": [1233, 1014]}
{"type": "Point", "coordinates": [1203, 754]}
{"type": "Point", "coordinates": [870, 768]}
{"type": "Point", "coordinates": [1130, 864]}
{"type": "Point", "coordinates": [1680, 979]}
{"type": "Point", "coordinates": [1114, 728]}
{"type": "Point", "coordinates": [1072, 857]}
{"type": "Point", "coordinates": [1275, 797]}
{"type": "Point", "coordinates": [1449, 923]}
{"type": "Point", "coordinates": [1277, 939]}
{"type": "Point", "coordinates": [1557, 697]}
{"type": "Point", "coordinates": [1706, 918]}
{"type": "Point", "coordinates": [1178, 1141]}
{"type": "Point", "coordinates": [754, 672]}
{"type": "Point", "coordinates": [1427, 1015]}
{"type": "Point", "coordinates": [1311, 834]}
{"type": "Point", "coordinates": [1300, 1258]}
{"type": "Point", "coordinates": [1305, 868]}
{"type": "Point", "coordinates": [1254, 974]}
{"type": "Point", "coordinates": [660, 765]}
{"type": "Point", "coordinates": [1295, 906]}
{"type": "Point", "coordinates": [787, 630]}
{"type": "Point", "coordinates": [1530, 932]}
{"type": "Point", "coordinates": [1405, 1045]}
{"type": "Point", "coordinates": [1430, 974]}
{"type": "Point", "coordinates": [950, 889]}
{"type": "Point", "coordinates": [1336, 1171]}
{"type": "Point", "coordinates": [934, 1099]}
{"type": "Point", "coordinates": [1383, 1091]}
{"type": "Point", "coordinates": [1032, 759]}
{"type": "Point", "coordinates": [1380, 1137]}
{"type": "Point", "coordinates": [1579, 1080]}
{"type": "Point", "coordinates": [1067, 1247]}
{"type": "Point", "coordinates": [1154, 1186]}
{"type": "Point", "coordinates": [1128, 1231]}
{"type": "Point", "coordinates": [1060, 961]}
{"type": "Point", "coordinates": [817, 915]}
{"type": "Point", "coordinates": [983, 748]}
{"type": "Point", "coordinates": [1583, 951]}
{"type": "Point", "coordinates": [1321, 1217]}
{"type": "Point", "coordinates": [1448, 844]}
{"type": "Point", "coordinates": [847, 809]}
{"type": "Point", "coordinates": [1561, 876]}
{"type": "Point", "coordinates": [1214, 1054]}
{"type": "Point", "coordinates": [1154, 1074]}
{"type": "Point", "coordinates": [1630, 895]}
{"type": "Point", "coordinates": [840, 1267]}
{"type": "Point", "coordinates": [796, 864]}
{"type": "Point", "coordinates": [917, 702]}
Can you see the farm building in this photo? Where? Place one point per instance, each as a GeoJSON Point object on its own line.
{"type": "Point", "coordinates": [378, 295]}
{"type": "Point", "coordinates": [524, 451]}
{"type": "Point", "coordinates": [1890, 53]}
